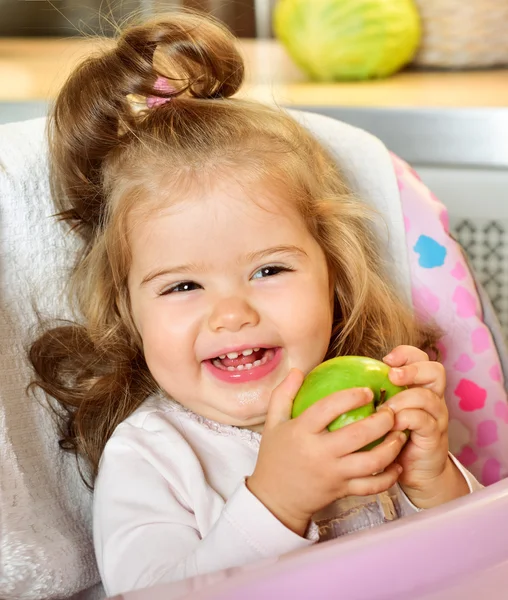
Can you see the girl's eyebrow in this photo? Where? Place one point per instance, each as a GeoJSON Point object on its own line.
{"type": "Point", "coordinates": [290, 249]}
{"type": "Point", "coordinates": [189, 268]}
{"type": "Point", "coordinates": [250, 257]}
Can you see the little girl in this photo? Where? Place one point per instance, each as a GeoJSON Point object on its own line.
{"type": "Point", "coordinates": [223, 259]}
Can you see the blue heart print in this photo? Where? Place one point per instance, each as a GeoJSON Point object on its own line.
{"type": "Point", "coordinates": [431, 253]}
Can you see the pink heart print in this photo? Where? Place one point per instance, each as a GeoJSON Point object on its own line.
{"type": "Point", "coordinates": [458, 271]}
{"type": "Point", "coordinates": [445, 221]}
{"type": "Point", "coordinates": [481, 339]}
{"type": "Point", "coordinates": [472, 396]}
{"type": "Point", "coordinates": [425, 301]}
{"type": "Point", "coordinates": [487, 433]}
{"type": "Point", "coordinates": [465, 302]}
{"type": "Point", "coordinates": [464, 363]}
{"type": "Point", "coordinates": [495, 373]}
{"type": "Point", "coordinates": [491, 472]}
{"type": "Point", "coordinates": [501, 411]}
{"type": "Point", "coordinates": [467, 457]}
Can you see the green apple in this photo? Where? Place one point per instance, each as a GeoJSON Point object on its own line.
{"type": "Point", "coordinates": [342, 373]}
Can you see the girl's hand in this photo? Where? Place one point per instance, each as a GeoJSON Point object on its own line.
{"type": "Point", "coordinates": [429, 476]}
{"type": "Point", "coordinates": [302, 467]}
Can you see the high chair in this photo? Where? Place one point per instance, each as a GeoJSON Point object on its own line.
{"type": "Point", "coordinates": [46, 549]}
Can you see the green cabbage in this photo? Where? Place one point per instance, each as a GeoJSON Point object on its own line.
{"type": "Point", "coordinates": [348, 39]}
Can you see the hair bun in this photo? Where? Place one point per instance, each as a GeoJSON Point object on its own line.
{"type": "Point", "coordinates": [197, 53]}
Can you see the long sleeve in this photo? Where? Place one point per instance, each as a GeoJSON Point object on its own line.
{"type": "Point", "coordinates": [148, 530]}
{"type": "Point", "coordinates": [406, 507]}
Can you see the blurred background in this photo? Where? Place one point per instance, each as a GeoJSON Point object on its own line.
{"type": "Point", "coordinates": [428, 77]}
{"type": "Point", "coordinates": [71, 17]}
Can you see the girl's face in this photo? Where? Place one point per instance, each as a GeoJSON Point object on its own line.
{"type": "Point", "coordinates": [228, 294]}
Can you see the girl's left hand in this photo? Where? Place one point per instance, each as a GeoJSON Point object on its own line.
{"type": "Point", "coordinates": [429, 476]}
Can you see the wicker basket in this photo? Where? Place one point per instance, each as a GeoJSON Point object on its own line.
{"type": "Point", "coordinates": [463, 33]}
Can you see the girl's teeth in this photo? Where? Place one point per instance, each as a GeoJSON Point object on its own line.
{"type": "Point", "coordinates": [256, 349]}
{"type": "Point", "coordinates": [269, 354]}
{"type": "Point", "coordinates": [234, 355]}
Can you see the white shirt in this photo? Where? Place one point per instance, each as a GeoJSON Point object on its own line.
{"type": "Point", "coordinates": [171, 503]}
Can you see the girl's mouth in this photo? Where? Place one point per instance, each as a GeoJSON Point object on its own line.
{"type": "Point", "coordinates": [249, 365]}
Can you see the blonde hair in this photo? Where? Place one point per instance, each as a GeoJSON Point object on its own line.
{"type": "Point", "coordinates": [106, 159]}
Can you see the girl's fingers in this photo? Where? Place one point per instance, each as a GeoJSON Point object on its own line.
{"type": "Point", "coordinates": [431, 375]}
{"type": "Point", "coordinates": [364, 464]}
{"type": "Point", "coordinates": [352, 437]}
{"type": "Point", "coordinates": [374, 484]}
{"type": "Point", "coordinates": [318, 416]}
{"type": "Point", "coordinates": [421, 399]}
{"type": "Point", "coordinates": [418, 421]}
{"type": "Point", "coordinates": [281, 401]}
{"type": "Point", "coordinates": [405, 355]}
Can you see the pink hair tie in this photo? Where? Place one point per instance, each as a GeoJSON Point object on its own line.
{"type": "Point", "coordinates": [161, 85]}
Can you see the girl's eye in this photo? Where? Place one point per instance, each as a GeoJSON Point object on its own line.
{"type": "Point", "coordinates": [269, 271]}
{"type": "Point", "coordinates": [183, 286]}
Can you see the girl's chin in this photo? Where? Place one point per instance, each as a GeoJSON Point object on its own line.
{"type": "Point", "coordinates": [249, 417]}
{"type": "Point", "coordinates": [248, 409]}
{"type": "Point", "coordinates": [256, 428]}
{"type": "Point", "coordinates": [247, 405]}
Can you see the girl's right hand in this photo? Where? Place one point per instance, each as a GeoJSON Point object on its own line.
{"type": "Point", "coordinates": [302, 467]}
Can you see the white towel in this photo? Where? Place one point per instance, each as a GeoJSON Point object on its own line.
{"type": "Point", "coordinates": [46, 549]}
{"type": "Point", "coordinates": [45, 529]}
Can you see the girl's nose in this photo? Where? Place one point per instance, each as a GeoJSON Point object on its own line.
{"type": "Point", "coordinates": [232, 314]}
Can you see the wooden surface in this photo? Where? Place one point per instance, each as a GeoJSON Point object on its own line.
{"type": "Point", "coordinates": [34, 69]}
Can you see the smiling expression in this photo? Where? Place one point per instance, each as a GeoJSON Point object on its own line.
{"type": "Point", "coordinates": [228, 294]}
